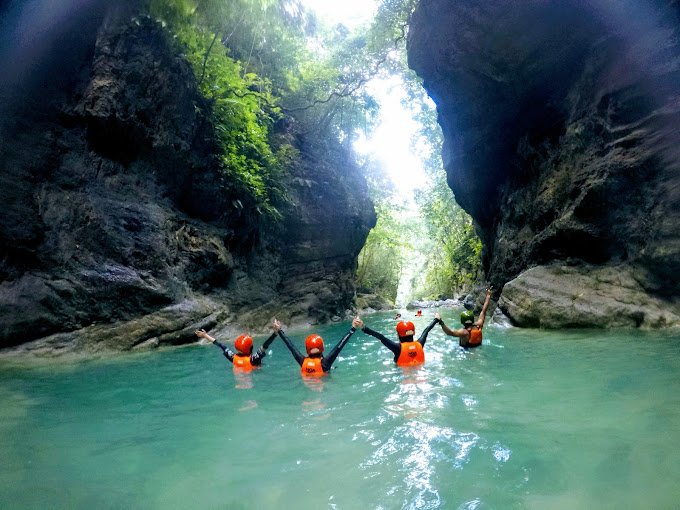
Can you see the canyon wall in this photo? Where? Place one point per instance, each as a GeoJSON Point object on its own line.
{"type": "Point", "coordinates": [119, 229]}
{"type": "Point", "coordinates": [561, 140]}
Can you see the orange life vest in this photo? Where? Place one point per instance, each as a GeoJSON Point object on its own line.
{"type": "Point", "coordinates": [311, 367]}
{"type": "Point", "coordinates": [475, 337]}
{"type": "Point", "coordinates": [411, 354]}
{"type": "Point", "coordinates": [242, 362]}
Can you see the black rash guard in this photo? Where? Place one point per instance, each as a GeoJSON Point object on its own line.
{"type": "Point", "coordinates": [326, 361]}
{"type": "Point", "coordinates": [256, 357]}
{"type": "Point", "coordinates": [395, 347]}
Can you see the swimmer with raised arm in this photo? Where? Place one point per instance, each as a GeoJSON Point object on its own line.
{"type": "Point", "coordinates": [470, 335]}
{"type": "Point", "coordinates": [407, 351]}
{"type": "Point", "coordinates": [315, 364]}
{"type": "Point", "coordinates": [244, 359]}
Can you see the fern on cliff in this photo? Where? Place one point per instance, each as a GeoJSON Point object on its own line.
{"type": "Point", "coordinates": [243, 107]}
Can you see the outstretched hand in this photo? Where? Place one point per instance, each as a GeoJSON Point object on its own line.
{"type": "Point", "coordinates": [276, 325]}
{"type": "Point", "coordinates": [357, 323]}
{"type": "Point", "coordinates": [438, 316]}
{"type": "Point", "coordinates": [202, 333]}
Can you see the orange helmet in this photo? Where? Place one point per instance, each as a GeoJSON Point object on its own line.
{"type": "Point", "coordinates": [314, 344]}
{"type": "Point", "coordinates": [405, 329]}
{"type": "Point", "coordinates": [244, 344]}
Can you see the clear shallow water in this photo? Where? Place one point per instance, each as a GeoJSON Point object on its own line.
{"type": "Point", "coordinates": [532, 419]}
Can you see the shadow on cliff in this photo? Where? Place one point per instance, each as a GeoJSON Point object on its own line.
{"type": "Point", "coordinates": [118, 227]}
{"type": "Point", "coordinates": [560, 124]}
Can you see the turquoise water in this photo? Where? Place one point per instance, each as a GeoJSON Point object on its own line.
{"type": "Point", "coordinates": [533, 419]}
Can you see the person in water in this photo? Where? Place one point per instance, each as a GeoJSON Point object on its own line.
{"type": "Point", "coordinates": [471, 333]}
{"type": "Point", "coordinates": [315, 364]}
{"type": "Point", "coordinates": [245, 359]}
{"type": "Point", "coordinates": [397, 317]}
{"type": "Point", "coordinates": [407, 351]}
{"type": "Point", "coordinates": [419, 313]}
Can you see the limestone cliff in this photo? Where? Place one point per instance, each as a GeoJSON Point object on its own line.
{"type": "Point", "coordinates": [118, 228]}
{"type": "Point", "coordinates": [561, 140]}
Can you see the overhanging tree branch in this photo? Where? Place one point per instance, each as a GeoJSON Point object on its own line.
{"type": "Point", "coordinates": [207, 54]}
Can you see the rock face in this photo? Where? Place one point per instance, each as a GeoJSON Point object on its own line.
{"type": "Point", "coordinates": [560, 124]}
{"type": "Point", "coordinates": [583, 297]}
{"type": "Point", "coordinates": [115, 212]}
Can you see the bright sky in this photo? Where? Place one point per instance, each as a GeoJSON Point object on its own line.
{"type": "Point", "coordinates": [390, 143]}
{"type": "Point", "coordinates": [350, 13]}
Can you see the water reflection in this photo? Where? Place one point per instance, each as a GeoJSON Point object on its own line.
{"type": "Point", "coordinates": [500, 453]}
{"type": "Point", "coordinates": [413, 375]}
{"type": "Point", "coordinates": [244, 380]}
{"type": "Point", "coordinates": [314, 383]}
{"type": "Point", "coordinates": [418, 447]}
{"type": "Point", "coordinates": [315, 408]}
{"type": "Point", "coordinates": [248, 405]}
{"type": "Point", "coordinates": [417, 450]}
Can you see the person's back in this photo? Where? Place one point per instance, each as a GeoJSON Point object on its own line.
{"type": "Point", "coordinates": [470, 335]}
{"type": "Point", "coordinates": [244, 359]}
{"type": "Point", "coordinates": [407, 351]}
{"type": "Point", "coordinates": [315, 364]}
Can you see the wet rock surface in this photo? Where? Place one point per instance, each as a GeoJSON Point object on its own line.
{"type": "Point", "coordinates": [172, 325]}
{"type": "Point", "coordinates": [116, 213]}
{"type": "Point", "coordinates": [584, 297]}
{"type": "Point", "coordinates": [560, 124]}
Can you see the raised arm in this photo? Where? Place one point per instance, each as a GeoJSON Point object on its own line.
{"type": "Point", "coordinates": [293, 350]}
{"type": "Point", "coordinates": [201, 333]}
{"type": "Point", "coordinates": [261, 352]}
{"type": "Point", "coordinates": [451, 332]}
{"type": "Point", "coordinates": [482, 314]}
{"type": "Point", "coordinates": [395, 347]}
{"type": "Point", "coordinates": [268, 341]}
{"type": "Point", "coordinates": [426, 331]}
{"type": "Point", "coordinates": [327, 361]}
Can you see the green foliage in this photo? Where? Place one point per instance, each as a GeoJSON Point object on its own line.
{"type": "Point", "coordinates": [329, 95]}
{"type": "Point", "coordinates": [243, 105]}
{"type": "Point", "coordinates": [259, 61]}
{"type": "Point", "coordinates": [448, 256]}
{"type": "Point", "coordinates": [381, 259]}
{"type": "Point", "coordinates": [252, 60]}
{"type": "Point", "coordinates": [454, 263]}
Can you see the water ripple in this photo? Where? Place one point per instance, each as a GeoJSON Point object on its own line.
{"type": "Point", "coordinates": [416, 450]}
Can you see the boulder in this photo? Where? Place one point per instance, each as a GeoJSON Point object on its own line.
{"type": "Point", "coordinates": [559, 296]}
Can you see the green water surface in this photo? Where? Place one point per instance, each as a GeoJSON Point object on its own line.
{"type": "Point", "coordinates": [532, 419]}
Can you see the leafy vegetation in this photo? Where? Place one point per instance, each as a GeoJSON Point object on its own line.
{"type": "Point", "coordinates": [445, 233]}
{"type": "Point", "coordinates": [255, 61]}
{"type": "Point", "coordinates": [382, 257]}
{"type": "Point", "coordinates": [454, 262]}
{"type": "Point", "coordinates": [244, 105]}
{"type": "Point", "coordinates": [264, 64]}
